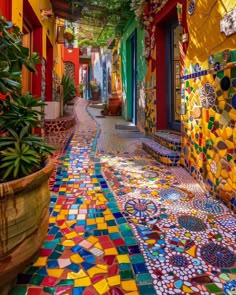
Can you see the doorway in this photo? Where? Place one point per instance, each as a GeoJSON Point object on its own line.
{"type": "Point", "coordinates": [173, 89]}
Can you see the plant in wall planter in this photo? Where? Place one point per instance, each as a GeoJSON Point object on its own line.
{"type": "Point", "coordinates": [24, 164]}
{"type": "Point", "coordinates": [69, 35]}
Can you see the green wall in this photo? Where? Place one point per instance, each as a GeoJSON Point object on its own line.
{"type": "Point", "coordinates": [125, 52]}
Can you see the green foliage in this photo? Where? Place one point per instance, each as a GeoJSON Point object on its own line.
{"type": "Point", "coordinates": [69, 88]}
{"type": "Point", "coordinates": [12, 57]}
{"type": "Point", "coordinates": [21, 152]}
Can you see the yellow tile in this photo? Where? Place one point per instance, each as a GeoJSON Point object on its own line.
{"type": "Point", "coordinates": [68, 243]}
{"type": "Point", "coordinates": [113, 229]}
{"type": "Point", "coordinates": [103, 266]}
{"type": "Point", "coordinates": [57, 207]}
{"type": "Point", "coordinates": [100, 220]}
{"type": "Point", "coordinates": [62, 189]}
{"type": "Point", "coordinates": [107, 212]}
{"type": "Point", "coordinates": [76, 258]}
{"type": "Point", "coordinates": [53, 272]}
{"type": "Point", "coordinates": [71, 235]}
{"type": "Point", "coordinates": [52, 220]}
{"type": "Point", "coordinates": [123, 258]}
{"type": "Point", "coordinates": [76, 275]}
{"type": "Point", "coordinates": [113, 281]}
{"type": "Point", "coordinates": [99, 246]}
{"type": "Point", "coordinates": [80, 274]}
{"type": "Point", "coordinates": [129, 285]}
{"type": "Point", "coordinates": [102, 226]}
{"type": "Point", "coordinates": [41, 261]}
{"type": "Point", "coordinates": [95, 270]}
{"type": "Point", "coordinates": [109, 217]}
{"type": "Point", "coordinates": [92, 239]}
{"type": "Point", "coordinates": [84, 282]}
{"type": "Point", "coordinates": [132, 293]}
{"type": "Point", "coordinates": [110, 251]}
{"type": "Point", "coordinates": [102, 286]}
{"type": "Point", "coordinates": [69, 223]}
{"type": "Point", "coordinates": [60, 217]}
{"type": "Point", "coordinates": [91, 221]}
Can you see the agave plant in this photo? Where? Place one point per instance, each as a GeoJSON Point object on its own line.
{"type": "Point", "coordinates": [21, 151]}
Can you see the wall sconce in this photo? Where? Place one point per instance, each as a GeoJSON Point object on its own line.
{"type": "Point", "coordinates": [70, 50]}
{"type": "Point", "coordinates": [179, 13]}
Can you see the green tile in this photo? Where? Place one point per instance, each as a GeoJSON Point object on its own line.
{"type": "Point", "coordinates": [32, 270]}
{"type": "Point", "coordinates": [115, 236]}
{"type": "Point", "coordinates": [127, 233]}
{"type": "Point", "coordinates": [124, 266]}
{"type": "Point", "coordinates": [55, 255]}
{"type": "Point", "coordinates": [19, 290]}
{"type": "Point", "coordinates": [147, 290]}
{"type": "Point", "coordinates": [130, 241]}
{"type": "Point", "coordinates": [66, 283]}
{"type": "Point", "coordinates": [144, 279]}
{"type": "Point", "coordinates": [124, 227]}
{"type": "Point", "coordinates": [126, 274]}
{"type": "Point", "coordinates": [122, 250]}
{"type": "Point", "coordinates": [213, 288]}
{"type": "Point", "coordinates": [137, 258]}
{"type": "Point", "coordinates": [111, 223]}
{"type": "Point", "coordinates": [121, 220]}
{"type": "Point", "coordinates": [49, 290]}
{"type": "Point", "coordinates": [36, 280]}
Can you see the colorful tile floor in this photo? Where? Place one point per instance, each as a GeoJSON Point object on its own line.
{"type": "Point", "coordinates": [123, 224]}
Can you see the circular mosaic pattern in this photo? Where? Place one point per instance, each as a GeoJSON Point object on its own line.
{"type": "Point", "coordinates": [217, 255]}
{"type": "Point", "coordinates": [179, 261]}
{"type": "Point", "coordinates": [191, 223]}
{"type": "Point", "coordinates": [172, 194]}
{"type": "Point", "coordinates": [150, 174]}
{"type": "Point", "coordinates": [141, 208]}
{"type": "Point", "coordinates": [208, 205]}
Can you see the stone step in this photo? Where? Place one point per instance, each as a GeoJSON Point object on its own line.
{"type": "Point", "coordinates": [169, 139]}
{"type": "Point", "coordinates": [161, 153]}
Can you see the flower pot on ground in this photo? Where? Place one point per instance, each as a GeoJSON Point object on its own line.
{"type": "Point", "coordinates": [24, 171]}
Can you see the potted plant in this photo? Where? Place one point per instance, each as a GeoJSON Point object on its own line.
{"type": "Point", "coordinates": [24, 169]}
{"type": "Point", "coordinates": [95, 90]}
{"type": "Point", "coordinates": [69, 35]}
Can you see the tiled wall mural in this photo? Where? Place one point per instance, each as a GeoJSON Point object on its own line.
{"type": "Point", "coordinates": [150, 126]}
{"type": "Point", "coordinates": [209, 125]}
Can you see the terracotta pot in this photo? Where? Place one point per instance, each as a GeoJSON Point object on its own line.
{"type": "Point", "coordinates": [95, 96]}
{"type": "Point", "coordinates": [24, 216]}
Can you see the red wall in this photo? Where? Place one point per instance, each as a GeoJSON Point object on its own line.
{"type": "Point", "coordinates": [48, 72]}
{"type": "Point", "coordinates": [161, 19]}
{"type": "Point", "coordinates": [5, 8]}
{"type": "Point", "coordinates": [74, 58]}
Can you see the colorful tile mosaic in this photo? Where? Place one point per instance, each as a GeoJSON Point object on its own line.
{"type": "Point", "coordinates": [209, 126]}
{"type": "Point", "coordinates": [124, 224]}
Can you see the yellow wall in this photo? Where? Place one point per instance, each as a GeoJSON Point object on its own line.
{"type": "Point", "coordinates": [209, 122]}
{"type": "Point", "coordinates": [48, 25]}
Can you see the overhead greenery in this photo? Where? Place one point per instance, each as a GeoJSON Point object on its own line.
{"type": "Point", "coordinates": [100, 20]}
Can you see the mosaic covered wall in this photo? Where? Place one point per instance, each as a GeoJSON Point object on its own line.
{"type": "Point", "coordinates": [150, 89]}
{"type": "Point", "coordinates": [209, 85]}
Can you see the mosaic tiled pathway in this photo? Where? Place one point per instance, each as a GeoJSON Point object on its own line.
{"type": "Point", "coordinates": [123, 224]}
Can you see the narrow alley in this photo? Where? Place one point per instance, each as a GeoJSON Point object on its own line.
{"type": "Point", "coordinates": [121, 223]}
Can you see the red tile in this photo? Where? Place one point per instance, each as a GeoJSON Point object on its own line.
{"type": "Point", "coordinates": [118, 242]}
{"type": "Point", "coordinates": [109, 259]}
{"type": "Point", "coordinates": [113, 270]}
{"type": "Point", "coordinates": [50, 238]}
{"type": "Point", "coordinates": [34, 291]}
{"type": "Point", "coordinates": [45, 252]}
{"type": "Point", "coordinates": [97, 278]}
{"type": "Point", "coordinates": [107, 245]}
{"type": "Point", "coordinates": [49, 281]}
{"type": "Point", "coordinates": [62, 290]}
{"type": "Point", "coordinates": [104, 239]}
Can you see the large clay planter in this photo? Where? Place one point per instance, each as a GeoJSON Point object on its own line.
{"type": "Point", "coordinates": [24, 216]}
{"type": "Point", "coordinates": [95, 96]}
